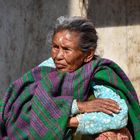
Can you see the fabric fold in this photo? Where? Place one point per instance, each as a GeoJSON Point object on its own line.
{"type": "Point", "coordinates": [38, 105]}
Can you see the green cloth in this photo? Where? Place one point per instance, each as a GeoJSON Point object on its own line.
{"type": "Point", "coordinates": [113, 77]}
{"type": "Point", "coordinates": [37, 105]}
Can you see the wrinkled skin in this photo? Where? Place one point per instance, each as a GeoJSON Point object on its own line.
{"type": "Point", "coordinates": [107, 106]}
{"type": "Point", "coordinates": [65, 53]}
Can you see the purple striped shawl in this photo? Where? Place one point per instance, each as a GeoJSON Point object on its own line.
{"type": "Point", "coordinates": [37, 105]}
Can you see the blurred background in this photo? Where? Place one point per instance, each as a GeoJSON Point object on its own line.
{"type": "Point", "coordinates": [25, 25]}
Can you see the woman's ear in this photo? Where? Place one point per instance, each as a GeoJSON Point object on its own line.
{"type": "Point", "coordinates": [89, 55]}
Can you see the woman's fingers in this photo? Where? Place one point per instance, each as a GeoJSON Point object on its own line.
{"type": "Point", "coordinates": [99, 105]}
{"type": "Point", "coordinates": [110, 105]}
{"type": "Point", "coordinates": [107, 109]}
{"type": "Point", "coordinates": [106, 105]}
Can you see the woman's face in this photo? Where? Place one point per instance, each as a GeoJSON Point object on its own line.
{"type": "Point", "coordinates": [65, 52]}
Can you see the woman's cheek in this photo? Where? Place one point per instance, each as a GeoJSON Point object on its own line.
{"type": "Point", "coordinates": [68, 58]}
{"type": "Point", "coordinates": [53, 54]}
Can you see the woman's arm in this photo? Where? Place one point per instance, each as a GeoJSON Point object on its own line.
{"type": "Point", "coordinates": [107, 106]}
{"type": "Point", "coordinates": [96, 122]}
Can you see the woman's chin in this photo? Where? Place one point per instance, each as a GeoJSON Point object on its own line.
{"type": "Point", "coordinates": [64, 70]}
{"type": "Point", "coordinates": [61, 70]}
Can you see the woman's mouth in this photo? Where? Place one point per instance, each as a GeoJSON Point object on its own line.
{"type": "Point", "coordinates": [60, 66]}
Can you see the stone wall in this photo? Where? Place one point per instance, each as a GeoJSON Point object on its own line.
{"type": "Point", "coordinates": [118, 26]}
{"type": "Point", "coordinates": [25, 24]}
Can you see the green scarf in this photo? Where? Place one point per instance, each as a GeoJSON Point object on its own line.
{"type": "Point", "coordinates": [37, 105]}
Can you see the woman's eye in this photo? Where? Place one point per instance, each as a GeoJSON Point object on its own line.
{"type": "Point", "coordinates": [66, 49]}
{"type": "Point", "coordinates": [55, 46]}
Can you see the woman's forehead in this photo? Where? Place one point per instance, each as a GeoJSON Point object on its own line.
{"type": "Point", "coordinates": [66, 36]}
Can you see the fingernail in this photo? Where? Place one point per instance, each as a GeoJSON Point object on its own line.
{"type": "Point", "coordinates": [118, 110]}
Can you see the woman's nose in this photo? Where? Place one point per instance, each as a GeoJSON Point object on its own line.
{"type": "Point", "coordinates": [59, 54]}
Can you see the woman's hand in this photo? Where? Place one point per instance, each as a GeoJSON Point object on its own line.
{"type": "Point", "coordinates": [107, 106]}
{"type": "Point", "coordinates": [73, 122]}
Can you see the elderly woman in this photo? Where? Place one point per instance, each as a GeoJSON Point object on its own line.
{"type": "Point", "coordinates": [74, 89]}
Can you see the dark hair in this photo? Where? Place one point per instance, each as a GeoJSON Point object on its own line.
{"type": "Point", "coordinates": [85, 27]}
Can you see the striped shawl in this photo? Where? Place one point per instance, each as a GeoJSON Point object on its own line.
{"type": "Point", "coordinates": [37, 105]}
